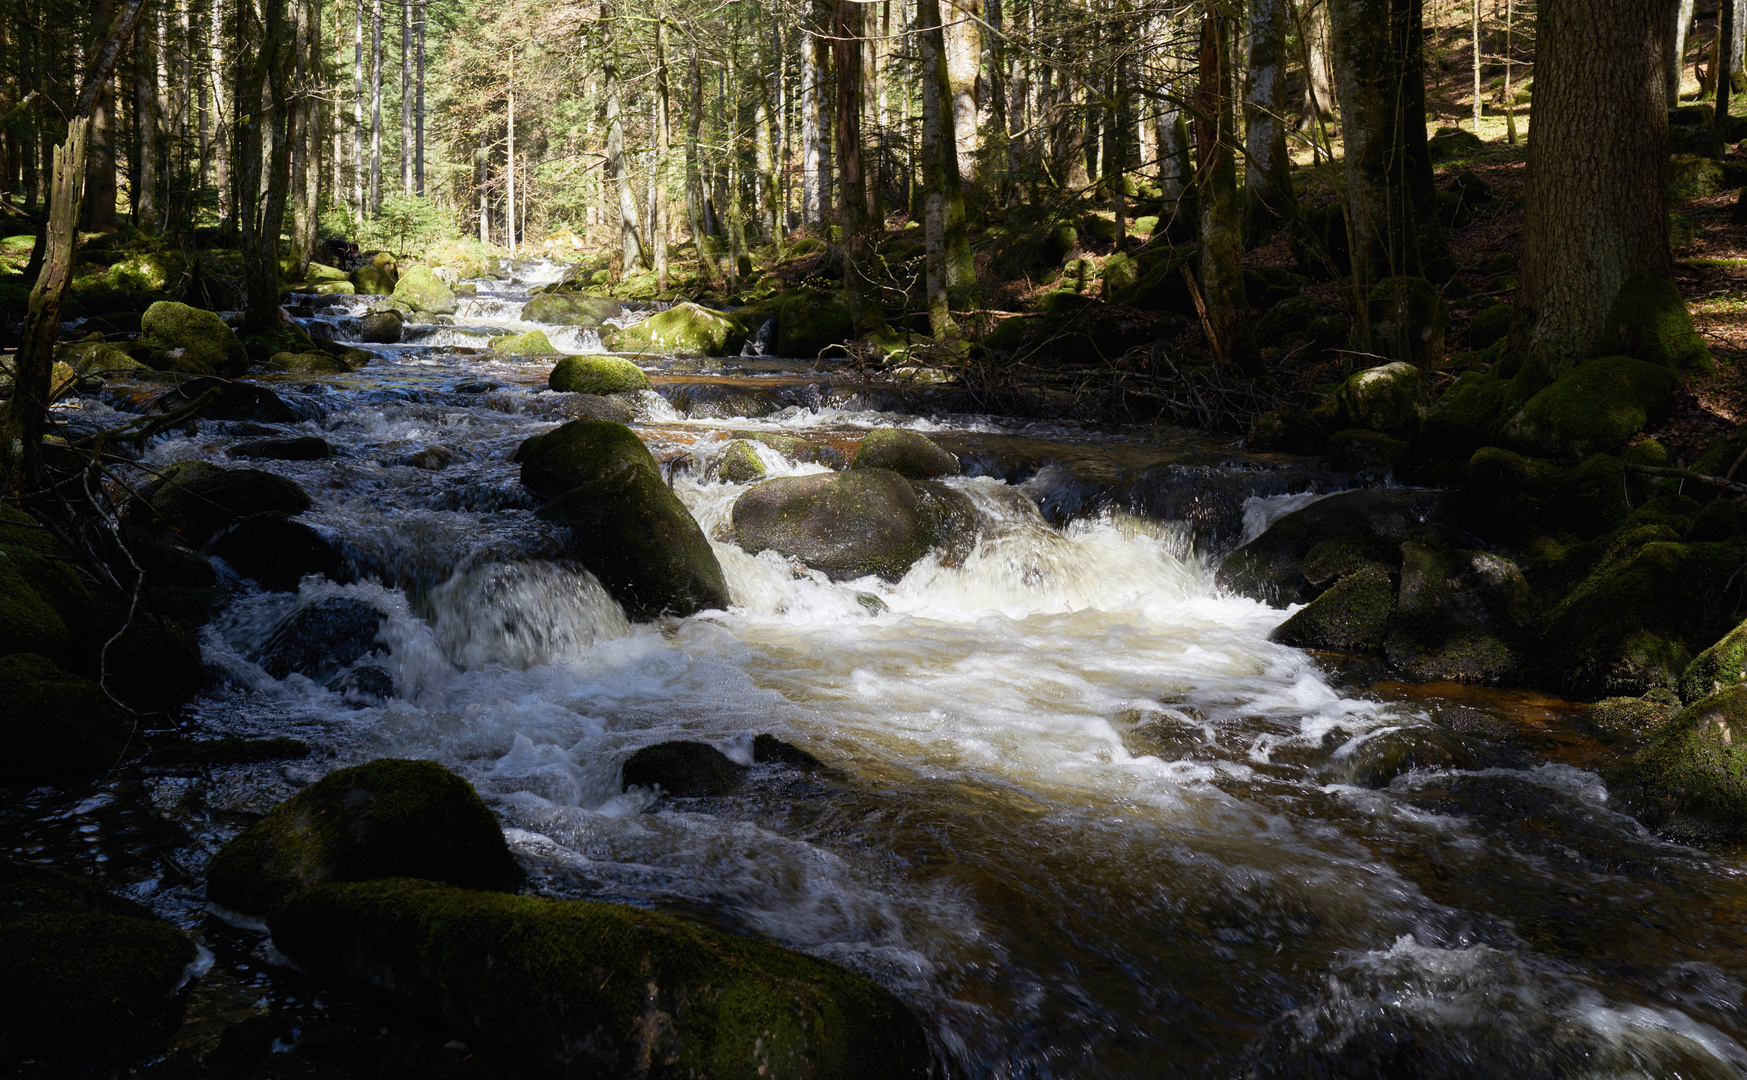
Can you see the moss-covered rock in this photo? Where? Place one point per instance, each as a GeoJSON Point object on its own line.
{"type": "Point", "coordinates": [571, 309]}
{"type": "Point", "coordinates": [381, 327]}
{"type": "Point", "coordinates": [1491, 323]}
{"type": "Point", "coordinates": [1271, 567]}
{"type": "Point", "coordinates": [1408, 320]}
{"type": "Point", "coordinates": [1630, 718]}
{"type": "Point", "coordinates": [90, 977]}
{"type": "Point", "coordinates": [387, 818]}
{"type": "Point", "coordinates": [1693, 177]}
{"type": "Point", "coordinates": [276, 551]}
{"type": "Point", "coordinates": [580, 452]}
{"type": "Point", "coordinates": [532, 343]}
{"type": "Point", "coordinates": [848, 525]}
{"type": "Point", "coordinates": [378, 276]}
{"type": "Point", "coordinates": [183, 338]}
{"type": "Point", "coordinates": [683, 769]}
{"type": "Point", "coordinates": [1690, 782]}
{"type": "Point", "coordinates": [1161, 288]}
{"type": "Point", "coordinates": [1356, 450]}
{"type": "Point", "coordinates": [1463, 616]}
{"type": "Point", "coordinates": [907, 453]}
{"type": "Point", "coordinates": [590, 989]}
{"type": "Point", "coordinates": [420, 288]}
{"type": "Point", "coordinates": [1353, 614]}
{"type": "Point", "coordinates": [1467, 417]}
{"type": "Point", "coordinates": [99, 358]}
{"type": "Point", "coordinates": [1718, 668]}
{"type": "Point", "coordinates": [1649, 322]}
{"type": "Point", "coordinates": [597, 375]}
{"type": "Point", "coordinates": [739, 463]}
{"type": "Point", "coordinates": [58, 728]}
{"type": "Point", "coordinates": [197, 498]}
{"type": "Point", "coordinates": [1290, 318]}
{"type": "Point", "coordinates": [810, 323]}
{"type": "Point", "coordinates": [309, 363]}
{"type": "Point", "coordinates": [1384, 399]}
{"type": "Point", "coordinates": [682, 330]}
{"type": "Point", "coordinates": [1594, 408]}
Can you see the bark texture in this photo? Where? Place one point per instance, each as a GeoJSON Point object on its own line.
{"type": "Point", "coordinates": [1222, 276]}
{"type": "Point", "coordinates": [864, 305]}
{"type": "Point", "coordinates": [1267, 182]}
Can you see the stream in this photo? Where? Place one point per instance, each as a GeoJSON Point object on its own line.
{"type": "Point", "coordinates": [1084, 817]}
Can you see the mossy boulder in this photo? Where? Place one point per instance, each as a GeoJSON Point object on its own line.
{"type": "Point", "coordinates": [1516, 498]}
{"type": "Point", "coordinates": [682, 330]}
{"type": "Point", "coordinates": [226, 400]}
{"type": "Point", "coordinates": [420, 288]}
{"type": "Point", "coordinates": [197, 498]}
{"type": "Point", "coordinates": [1118, 272]}
{"type": "Point", "coordinates": [1290, 318]}
{"type": "Point", "coordinates": [1467, 417]}
{"type": "Point", "coordinates": [1649, 321]}
{"type": "Point", "coordinates": [99, 358]}
{"type": "Point", "coordinates": [378, 276]}
{"type": "Point", "coordinates": [571, 309]}
{"type": "Point", "coordinates": [58, 728]}
{"type": "Point", "coordinates": [622, 520]}
{"type": "Point", "coordinates": [1385, 399]}
{"type": "Point", "coordinates": [597, 375]}
{"type": "Point", "coordinates": [810, 323]}
{"type": "Point", "coordinates": [309, 363]}
{"type": "Point", "coordinates": [848, 525]}
{"type": "Point", "coordinates": [1490, 324]}
{"type": "Point", "coordinates": [1716, 669]}
{"type": "Point", "coordinates": [1450, 142]}
{"type": "Point", "coordinates": [1691, 176]}
{"type": "Point", "coordinates": [532, 343]}
{"type": "Point", "coordinates": [1160, 288]}
{"type": "Point", "coordinates": [1462, 616]}
{"type": "Point", "coordinates": [381, 327]}
{"type": "Point", "coordinates": [1630, 718]}
{"type": "Point", "coordinates": [1690, 782]}
{"type": "Point", "coordinates": [149, 271]}
{"type": "Point", "coordinates": [1356, 450]}
{"type": "Point", "coordinates": [591, 989]}
{"type": "Point", "coordinates": [683, 768]}
{"type": "Point", "coordinates": [1593, 408]}
{"type": "Point", "coordinates": [386, 818]}
{"type": "Point", "coordinates": [1271, 567]}
{"type": "Point", "coordinates": [1353, 614]}
{"type": "Point", "coordinates": [739, 463]}
{"type": "Point", "coordinates": [907, 453]}
{"type": "Point", "coordinates": [90, 977]}
{"type": "Point", "coordinates": [183, 338]}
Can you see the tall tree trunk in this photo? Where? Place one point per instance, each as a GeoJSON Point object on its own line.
{"type": "Point", "coordinates": [1392, 220]}
{"type": "Point", "coordinates": [942, 187]}
{"type": "Point", "coordinates": [1478, 58]}
{"type": "Point", "coordinates": [1726, 67]}
{"type": "Point", "coordinates": [145, 121]}
{"type": "Point", "coordinates": [1596, 275]}
{"type": "Point", "coordinates": [306, 135]}
{"type": "Point", "coordinates": [1222, 275]}
{"type": "Point", "coordinates": [1268, 198]}
{"type": "Point", "coordinates": [658, 173]}
{"type": "Point", "coordinates": [359, 206]}
{"type": "Point", "coordinates": [406, 147]}
{"type": "Point", "coordinates": [266, 169]}
{"type": "Point", "coordinates": [630, 238]}
{"type": "Point", "coordinates": [864, 304]}
{"type": "Point", "coordinates": [694, 177]}
{"type": "Point", "coordinates": [814, 61]}
{"type": "Point", "coordinates": [99, 212]}
{"type": "Point", "coordinates": [419, 118]}
{"type": "Point", "coordinates": [1676, 58]}
{"type": "Point", "coordinates": [482, 172]}
{"type": "Point", "coordinates": [1319, 84]}
{"type": "Point", "coordinates": [509, 172]}
{"type": "Point", "coordinates": [375, 106]}
{"type": "Point", "coordinates": [964, 61]}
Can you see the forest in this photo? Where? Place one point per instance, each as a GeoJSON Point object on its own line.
{"type": "Point", "coordinates": [864, 538]}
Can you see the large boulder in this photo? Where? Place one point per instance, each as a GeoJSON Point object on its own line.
{"type": "Point", "coordinates": [597, 375]}
{"type": "Point", "coordinates": [226, 400]}
{"type": "Point", "coordinates": [276, 551]}
{"type": "Point", "coordinates": [532, 343]}
{"type": "Point", "coordinates": [580, 452]}
{"type": "Point", "coordinates": [1716, 669]}
{"type": "Point", "coordinates": [310, 363]}
{"type": "Point", "coordinates": [1351, 615]}
{"type": "Point", "coordinates": [58, 728]}
{"type": "Point", "coordinates": [603, 990]}
{"type": "Point", "coordinates": [907, 453]}
{"type": "Point", "coordinates": [1384, 398]}
{"type": "Point", "coordinates": [1461, 616]}
{"type": "Point", "coordinates": [320, 638]}
{"type": "Point", "coordinates": [570, 309]}
{"type": "Point", "coordinates": [809, 323]}
{"type": "Point", "coordinates": [421, 289]}
{"type": "Point", "coordinates": [1271, 567]}
{"type": "Point", "coordinates": [386, 818]}
{"type": "Point", "coordinates": [1690, 782]}
{"type": "Point", "coordinates": [90, 977]}
{"type": "Point", "coordinates": [849, 524]}
{"type": "Point", "coordinates": [381, 327]}
{"type": "Point", "coordinates": [197, 498]}
{"type": "Point", "coordinates": [183, 338]}
{"type": "Point", "coordinates": [683, 330]}
{"type": "Point", "coordinates": [1595, 407]}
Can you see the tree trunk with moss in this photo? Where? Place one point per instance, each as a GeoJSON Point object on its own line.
{"type": "Point", "coordinates": [864, 304]}
{"type": "Point", "coordinates": [1392, 220]}
{"type": "Point", "coordinates": [1596, 275]}
{"type": "Point", "coordinates": [1675, 58]}
{"type": "Point", "coordinates": [1222, 272]}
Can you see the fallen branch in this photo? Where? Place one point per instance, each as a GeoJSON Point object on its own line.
{"type": "Point", "coordinates": [1687, 474]}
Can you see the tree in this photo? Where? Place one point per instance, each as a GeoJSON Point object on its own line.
{"type": "Point", "coordinates": [858, 284]}
{"type": "Point", "coordinates": [1596, 274]}
{"type": "Point", "coordinates": [1268, 198]}
{"type": "Point", "coordinates": [1222, 277]}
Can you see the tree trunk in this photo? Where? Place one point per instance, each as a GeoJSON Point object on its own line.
{"type": "Point", "coordinates": [266, 171]}
{"type": "Point", "coordinates": [1268, 198]}
{"type": "Point", "coordinates": [1726, 67]}
{"type": "Point", "coordinates": [375, 106]}
{"type": "Point", "coordinates": [1596, 276]}
{"type": "Point", "coordinates": [1392, 220]}
{"type": "Point", "coordinates": [358, 169]}
{"type": "Point", "coordinates": [942, 186]}
{"type": "Point", "coordinates": [509, 172]}
{"type": "Point", "coordinates": [658, 181]}
{"type": "Point", "coordinates": [1319, 84]}
{"type": "Point", "coordinates": [694, 176]}
{"type": "Point", "coordinates": [864, 305]}
{"type": "Point", "coordinates": [1478, 55]}
{"type": "Point", "coordinates": [419, 116]}
{"type": "Point", "coordinates": [630, 240]}
{"type": "Point", "coordinates": [964, 61]}
{"type": "Point", "coordinates": [1676, 58]}
{"type": "Point", "coordinates": [304, 134]}
{"type": "Point", "coordinates": [99, 211]}
{"type": "Point", "coordinates": [814, 61]}
{"type": "Point", "coordinates": [406, 149]}
{"type": "Point", "coordinates": [145, 122]}
{"type": "Point", "coordinates": [1222, 275]}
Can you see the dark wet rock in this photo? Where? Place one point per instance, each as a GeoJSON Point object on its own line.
{"type": "Point", "coordinates": [197, 498]}
{"type": "Point", "coordinates": [1383, 756]}
{"type": "Point", "coordinates": [365, 684]}
{"type": "Point", "coordinates": [1332, 560]}
{"type": "Point", "coordinates": [1270, 567]}
{"type": "Point", "coordinates": [1356, 450]}
{"type": "Point", "coordinates": [234, 401]}
{"type": "Point", "coordinates": [848, 525]}
{"type": "Point", "coordinates": [321, 637]}
{"type": "Point", "coordinates": [431, 459]}
{"type": "Point", "coordinates": [1690, 782]}
{"type": "Point", "coordinates": [1516, 498]}
{"type": "Point", "coordinates": [1475, 723]}
{"type": "Point", "coordinates": [57, 727]}
{"type": "Point", "coordinates": [597, 375]}
{"type": "Point", "coordinates": [570, 309]}
{"type": "Point", "coordinates": [1466, 417]}
{"type": "Point", "coordinates": [276, 551]}
{"type": "Point", "coordinates": [153, 665]}
{"type": "Point", "coordinates": [305, 448]}
{"type": "Point", "coordinates": [538, 976]}
{"type": "Point", "coordinates": [381, 327]}
{"type": "Point", "coordinates": [1286, 431]}
{"type": "Point", "coordinates": [311, 363]}
{"type": "Point", "coordinates": [1461, 615]}
{"type": "Point", "coordinates": [739, 463]}
{"type": "Point", "coordinates": [1353, 614]}
{"type": "Point", "coordinates": [768, 749]}
{"type": "Point", "coordinates": [683, 769]}
{"type": "Point", "coordinates": [230, 750]}
{"type": "Point", "coordinates": [907, 453]}
{"type": "Point", "coordinates": [183, 338]}
{"type": "Point", "coordinates": [382, 819]}
{"type": "Point", "coordinates": [595, 407]}
{"type": "Point", "coordinates": [810, 323]}
{"type": "Point", "coordinates": [622, 520]}
{"type": "Point", "coordinates": [90, 977]}
{"type": "Point", "coordinates": [1630, 718]}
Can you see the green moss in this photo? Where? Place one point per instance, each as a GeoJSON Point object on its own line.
{"type": "Point", "coordinates": [183, 338]}
{"type": "Point", "coordinates": [310, 363]}
{"type": "Point", "coordinates": [1691, 781]}
{"type": "Point", "coordinates": [1118, 273]}
{"type": "Point", "coordinates": [1717, 668]}
{"type": "Point", "coordinates": [384, 818]}
{"type": "Point", "coordinates": [1466, 417]}
{"type": "Point", "coordinates": [810, 323]}
{"type": "Point", "coordinates": [580, 452]}
{"type": "Point", "coordinates": [419, 287]}
{"type": "Point", "coordinates": [98, 358]}
{"type": "Point", "coordinates": [1161, 288]}
{"type": "Point", "coordinates": [1490, 325]}
{"type": "Point", "coordinates": [1675, 511]}
{"type": "Point", "coordinates": [573, 984]}
{"type": "Point", "coordinates": [1628, 717]}
{"type": "Point", "coordinates": [371, 280]}
{"type": "Point", "coordinates": [149, 271]}
{"type": "Point", "coordinates": [597, 375]}
{"type": "Point", "coordinates": [1353, 614]}
{"type": "Point", "coordinates": [570, 309]}
{"type": "Point", "coordinates": [1720, 520]}
{"type": "Point", "coordinates": [1460, 616]}
{"type": "Point", "coordinates": [1593, 408]}
{"type": "Point", "coordinates": [532, 343]}
{"type": "Point", "coordinates": [683, 330]}
{"type": "Point", "coordinates": [906, 453]}
{"type": "Point", "coordinates": [1649, 322]}
{"type": "Point", "coordinates": [1384, 399]}
{"type": "Point", "coordinates": [1290, 318]}
{"type": "Point", "coordinates": [739, 463]}
{"type": "Point", "coordinates": [1693, 177]}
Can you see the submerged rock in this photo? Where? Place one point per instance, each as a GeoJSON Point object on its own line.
{"type": "Point", "coordinates": [307, 448]}
{"type": "Point", "coordinates": [197, 498]}
{"type": "Point", "coordinates": [387, 818]}
{"type": "Point", "coordinates": [233, 401]}
{"type": "Point", "coordinates": [183, 338]}
{"type": "Point", "coordinates": [321, 638]}
{"type": "Point", "coordinates": [907, 453]}
{"type": "Point", "coordinates": [848, 525]}
{"type": "Point", "coordinates": [590, 989]}
{"type": "Point", "coordinates": [1380, 758]}
{"type": "Point", "coordinates": [597, 375]}
{"type": "Point", "coordinates": [381, 327]}
{"type": "Point", "coordinates": [739, 463]}
{"type": "Point", "coordinates": [276, 551]}
{"type": "Point", "coordinates": [683, 769]}
{"type": "Point", "coordinates": [90, 977]}
{"type": "Point", "coordinates": [769, 750]}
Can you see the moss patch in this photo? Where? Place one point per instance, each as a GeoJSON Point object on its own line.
{"type": "Point", "coordinates": [906, 453]}
{"type": "Point", "coordinates": [532, 343]}
{"type": "Point", "coordinates": [183, 338]}
{"type": "Point", "coordinates": [1593, 408]}
{"type": "Point", "coordinates": [420, 288]}
{"type": "Point", "coordinates": [1691, 781]}
{"type": "Point", "coordinates": [1351, 615]}
{"type": "Point", "coordinates": [1649, 322]}
{"type": "Point", "coordinates": [597, 375]}
{"type": "Point", "coordinates": [683, 330]}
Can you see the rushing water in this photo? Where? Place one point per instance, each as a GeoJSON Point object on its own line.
{"type": "Point", "coordinates": [1084, 816]}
